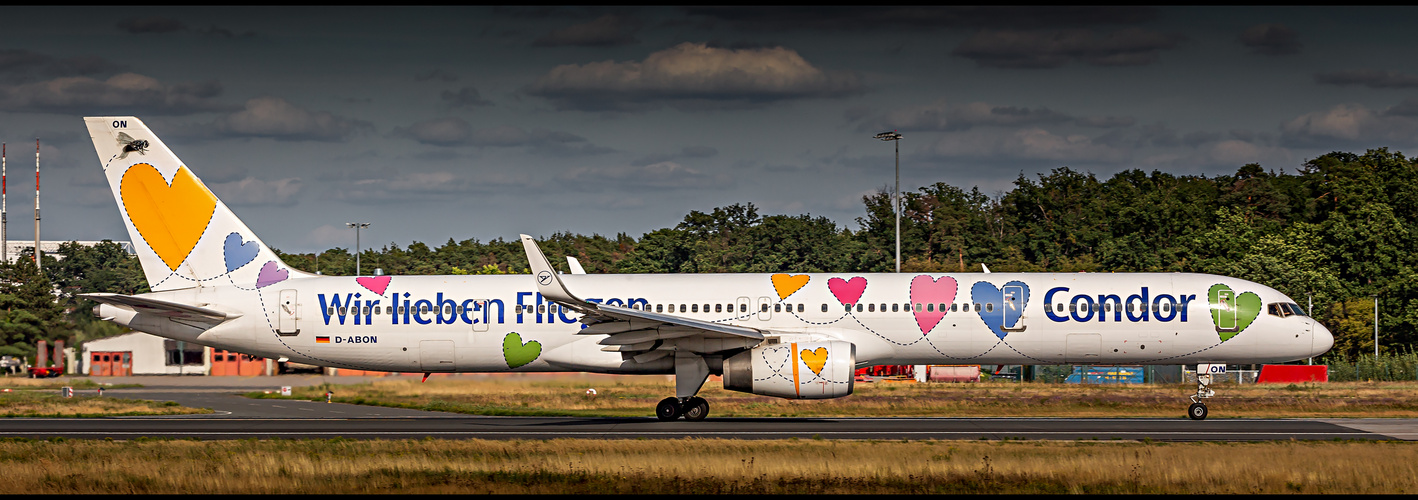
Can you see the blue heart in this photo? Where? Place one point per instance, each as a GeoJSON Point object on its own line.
{"type": "Point", "coordinates": [236, 253]}
{"type": "Point", "coordinates": [1006, 308]}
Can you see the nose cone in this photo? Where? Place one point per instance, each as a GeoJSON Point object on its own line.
{"type": "Point", "coordinates": [1323, 340]}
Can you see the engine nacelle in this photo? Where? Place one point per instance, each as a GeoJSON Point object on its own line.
{"type": "Point", "coordinates": [806, 370]}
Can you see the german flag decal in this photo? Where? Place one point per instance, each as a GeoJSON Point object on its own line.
{"type": "Point", "coordinates": [322, 340]}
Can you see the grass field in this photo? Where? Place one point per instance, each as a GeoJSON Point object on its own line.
{"type": "Point", "coordinates": [48, 403]}
{"type": "Point", "coordinates": [19, 382]}
{"type": "Point", "coordinates": [707, 466]}
{"type": "Point", "coordinates": [636, 396]}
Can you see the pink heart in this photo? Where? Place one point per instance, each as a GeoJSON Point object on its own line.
{"type": "Point", "coordinates": [270, 274]}
{"type": "Point", "coordinates": [376, 284]}
{"type": "Point", "coordinates": [847, 291]}
{"type": "Point", "coordinates": [926, 290]}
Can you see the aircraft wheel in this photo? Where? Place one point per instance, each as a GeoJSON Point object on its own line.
{"type": "Point", "coordinates": [668, 409]}
{"type": "Point", "coordinates": [1197, 411]}
{"type": "Point", "coordinates": [696, 409]}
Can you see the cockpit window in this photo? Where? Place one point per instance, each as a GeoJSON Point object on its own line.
{"type": "Point", "coordinates": [1285, 309]}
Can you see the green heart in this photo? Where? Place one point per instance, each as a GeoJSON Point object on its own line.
{"type": "Point", "coordinates": [1246, 307]}
{"type": "Point", "coordinates": [518, 354]}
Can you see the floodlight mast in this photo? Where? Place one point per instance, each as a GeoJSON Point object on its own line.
{"type": "Point", "coordinates": [357, 226]}
{"type": "Point", "coordinates": [895, 195]}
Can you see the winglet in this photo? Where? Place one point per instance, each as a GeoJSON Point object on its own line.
{"type": "Point", "coordinates": [575, 265]}
{"type": "Point", "coordinates": [548, 281]}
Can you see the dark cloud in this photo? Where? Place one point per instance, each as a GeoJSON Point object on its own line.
{"type": "Point", "coordinates": [605, 31]}
{"type": "Point", "coordinates": [276, 118]}
{"type": "Point", "coordinates": [437, 74]}
{"type": "Point", "coordinates": [253, 192]}
{"type": "Point", "coordinates": [688, 152]}
{"type": "Point", "coordinates": [454, 131]}
{"type": "Point", "coordinates": [151, 25]}
{"type": "Point", "coordinates": [946, 117]}
{"type": "Point", "coordinates": [1052, 49]}
{"type": "Point", "coordinates": [1270, 39]}
{"type": "Point", "coordinates": [1371, 78]}
{"type": "Point", "coordinates": [923, 18]}
{"type": "Point", "coordinates": [19, 65]}
{"type": "Point", "coordinates": [1409, 107]}
{"type": "Point", "coordinates": [1353, 125]}
{"type": "Point", "coordinates": [225, 33]}
{"type": "Point", "coordinates": [662, 175]}
{"type": "Point", "coordinates": [125, 93]}
{"type": "Point", "coordinates": [692, 76]}
{"type": "Point", "coordinates": [465, 97]}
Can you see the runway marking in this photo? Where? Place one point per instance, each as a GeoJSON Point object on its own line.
{"type": "Point", "coordinates": [693, 433]}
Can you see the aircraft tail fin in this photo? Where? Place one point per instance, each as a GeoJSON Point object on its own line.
{"type": "Point", "coordinates": [184, 236]}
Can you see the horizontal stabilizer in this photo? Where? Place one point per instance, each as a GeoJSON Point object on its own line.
{"type": "Point", "coordinates": [164, 308]}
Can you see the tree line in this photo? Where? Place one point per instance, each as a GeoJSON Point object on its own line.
{"type": "Point", "coordinates": [1336, 233]}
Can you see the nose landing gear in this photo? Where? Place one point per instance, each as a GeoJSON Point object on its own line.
{"type": "Point", "coordinates": [1197, 410]}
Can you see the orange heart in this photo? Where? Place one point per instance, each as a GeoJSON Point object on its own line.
{"type": "Point", "coordinates": [786, 284]}
{"type": "Point", "coordinates": [170, 218]}
{"type": "Point", "coordinates": [814, 359]}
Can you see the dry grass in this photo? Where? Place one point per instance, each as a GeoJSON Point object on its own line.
{"type": "Point", "coordinates": [29, 403]}
{"type": "Point", "coordinates": [636, 396]}
{"type": "Point", "coordinates": [704, 466]}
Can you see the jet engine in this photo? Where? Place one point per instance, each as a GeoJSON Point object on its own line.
{"type": "Point", "coordinates": [793, 370]}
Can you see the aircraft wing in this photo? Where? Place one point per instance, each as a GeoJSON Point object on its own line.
{"type": "Point", "coordinates": [634, 330]}
{"type": "Point", "coordinates": [172, 310]}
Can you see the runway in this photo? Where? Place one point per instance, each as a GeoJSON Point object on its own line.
{"type": "Point", "coordinates": [237, 417]}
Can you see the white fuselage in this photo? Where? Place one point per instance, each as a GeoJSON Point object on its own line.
{"type": "Point", "coordinates": [1088, 318]}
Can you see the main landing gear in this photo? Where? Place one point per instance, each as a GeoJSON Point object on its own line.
{"type": "Point", "coordinates": [692, 409]}
{"type": "Point", "coordinates": [1197, 410]}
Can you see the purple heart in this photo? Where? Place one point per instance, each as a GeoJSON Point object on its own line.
{"type": "Point", "coordinates": [271, 275]}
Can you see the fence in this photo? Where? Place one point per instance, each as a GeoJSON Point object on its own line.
{"type": "Point", "coordinates": [1384, 367]}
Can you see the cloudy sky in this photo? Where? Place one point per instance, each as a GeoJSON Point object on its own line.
{"type": "Point", "coordinates": [483, 122]}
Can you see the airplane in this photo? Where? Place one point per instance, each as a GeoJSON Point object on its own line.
{"type": "Point", "coordinates": [791, 335]}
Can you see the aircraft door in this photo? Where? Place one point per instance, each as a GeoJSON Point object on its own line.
{"type": "Point", "coordinates": [743, 311]}
{"type": "Point", "coordinates": [480, 316]}
{"type": "Point", "coordinates": [1083, 348]}
{"type": "Point", "coordinates": [1226, 311]}
{"type": "Point", "coordinates": [1011, 311]}
{"type": "Point", "coordinates": [765, 308]}
{"type": "Point", "coordinates": [286, 314]}
{"type": "Point", "coordinates": [436, 355]}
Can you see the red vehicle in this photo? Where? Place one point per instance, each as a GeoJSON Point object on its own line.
{"type": "Point", "coordinates": [52, 371]}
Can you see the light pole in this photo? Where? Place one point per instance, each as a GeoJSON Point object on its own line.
{"type": "Point", "coordinates": [1376, 326]}
{"type": "Point", "coordinates": [895, 195]}
{"type": "Point", "coordinates": [357, 226]}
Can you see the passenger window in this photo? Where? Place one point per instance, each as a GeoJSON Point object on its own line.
{"type": "Point", "coordinates": [777, 307]}
{"type": "Point", "coordinates": [895, 307]}
{"type": "Point", "coordinates": [682, 308]}
{"type": "Point", "coordinates": [659, 308]}
{"type": "Point", "coordinates": [859, 308]}
{"type": "Point", "coordinates": [1166, 308]}
{"type": "Point", "coordinates": [366, 310]}
{"type": "Point", "coordinates": [954, 307]}
{"type": "Point", "coordinates": [990, 307]}
{"type": "Point", "coordinates": [389, 310]}
{"type": "Point", "coordinates": [883, 308]}
{"type": "Point", "coordinates": [824, 308]}
{"type": "Point", "coordinates": [977, 307]}
{"type": "Point", "coordinates": [344, 311]}
{"type": "Point", "coordinates": [706, 307]}
{"type": "Point", "coordinates": [743, 308]}
{"type": "Point", "coordinates": [930, 307]}
{"type": "Point", "coordinates": [330, 311]}
{"type": "Point", "coordinates": [871, 308]}
{"type": "Point", "coordinates": [918, 307]}
{"type": "Point", "coordinates": [694, 308]}
{"type": "Point", "coordinates": [942, 307]}
{"type": "Point", "coordinates": [800, 308]}
{"type": "Point", "coordinates": [718, 308]}
{"type": "Point", "coordinates": [447, 309]}
{"type": "Point", "coordinates": [764, 308]}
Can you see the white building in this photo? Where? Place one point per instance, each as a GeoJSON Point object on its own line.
{"type": "Point", "coordinates": [140, 353]}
